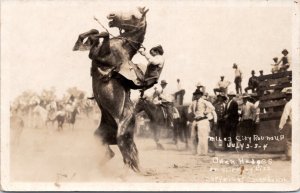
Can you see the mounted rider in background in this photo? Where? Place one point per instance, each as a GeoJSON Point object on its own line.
{"type": "Point", "coordinates": [165, 99]}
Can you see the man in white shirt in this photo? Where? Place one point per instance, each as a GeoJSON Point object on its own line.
{"type": "Point", "coordinates": [285, 124]}
{"type": "Point", "coordinates": [237, 79]}
{"type": "Point", "coordinates": [248, 114]}
{"type": "Point", "coordinates": [179, 93]}
{"type": "Point", "coordinates": [165, 99]}
{"type": "Point", "coordinates": [222, 86]}
{"type": "Point", "coordinates": [200, 126]}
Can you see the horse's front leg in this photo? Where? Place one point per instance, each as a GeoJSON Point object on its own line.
{"type": "Point", "coordinates": [100, 53]}
{"type": "Point", "coordinates": [125, 138]}
{"type": "Point", "coordinates": [79, 43]}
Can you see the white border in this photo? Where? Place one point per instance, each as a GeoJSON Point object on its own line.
{"type": "Point", "coordinates": [7, 185]}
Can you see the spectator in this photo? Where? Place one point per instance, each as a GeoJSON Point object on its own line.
{"type": "Point", "coordinates": [179, 93]}
{"type": "Point", "coordinates": [231, 118]}
{"type": "Point", "coordinates": [285, 124]}
{"type": "Point", "coordinates": [252, 83]}
{"type": "Point", "coordinates": [261, 73]}
{"type": "Point", "coordinates": [222, 86]}
{"type": "Point", "coordinates": [275, 66]}
{"type": "Point", "coordinates": [179, 88]}
{"type": "Point", "coordinates": [248, 114]}
{"type": "Point", "coordinates": [237, 79]}
{"type": "Point", "coordinates": [220, 111]}
{"type": "Point", "coordinates": [284, 61]}
{"type": "Point", "coordinates": [200, 126]}
{"type": "Point", "coordinates": [199, 87]}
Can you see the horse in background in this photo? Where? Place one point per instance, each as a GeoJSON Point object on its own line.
{"type": "Point", "coordinates": [71, 118]}
{"type": "Point", "coordinates": [52, 109]}
{"type": "Point", "coordinates": [16, 126]}
{"type": "Point", "coordinates": [157, 119]}
{"type": "Point", "coordinates": [39, 116]}
{"type": "Point", "coordinates": [184, 129]}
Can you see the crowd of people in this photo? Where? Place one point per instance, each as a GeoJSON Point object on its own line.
{"type": "Point", "coordinates": [38, 110]}
{"type": "Point", "coordinates": [226, 114]}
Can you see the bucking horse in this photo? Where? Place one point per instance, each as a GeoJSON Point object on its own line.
{"type": "Point", "coordinates": [111, 90]}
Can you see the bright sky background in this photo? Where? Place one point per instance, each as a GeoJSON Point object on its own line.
{"type": "Point", "coordinates": [201, 40]}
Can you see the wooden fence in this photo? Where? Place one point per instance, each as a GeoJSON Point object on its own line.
{"type": "Point", "coordinates": [272, 102]}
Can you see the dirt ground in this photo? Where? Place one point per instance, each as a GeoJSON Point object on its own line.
{"type": "Point", "coordinates": [46, 155]}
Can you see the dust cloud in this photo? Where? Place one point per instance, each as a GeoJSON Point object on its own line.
{"type": "Point", "coordinates": [76, 155]}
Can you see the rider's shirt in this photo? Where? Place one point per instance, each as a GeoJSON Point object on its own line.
{"type": "Point", "coordinates": [166, 96]}
{"type": "Point", "coordinates": [155, 65]}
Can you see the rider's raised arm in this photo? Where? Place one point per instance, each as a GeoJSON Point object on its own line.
{"type": "Point", "coordinates": [155, 60]}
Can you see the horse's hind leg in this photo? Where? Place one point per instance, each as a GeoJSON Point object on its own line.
{"type": "Point", "coordinates": [109, 154]}
{"type": "Point", "coordinates": [125, 138]}
{"type": "Point", "coordinates": [156, 135]}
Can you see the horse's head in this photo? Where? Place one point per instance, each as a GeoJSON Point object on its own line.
{"type": "Point", "coordinates": [128, 21]}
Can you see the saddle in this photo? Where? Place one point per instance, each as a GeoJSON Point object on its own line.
{"type": "Point", "coordinates": [129, 74]}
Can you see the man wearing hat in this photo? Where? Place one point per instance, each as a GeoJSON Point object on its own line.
{"type": "Point", "coordinates": [284, 61]}
{"type": "Point", "coordinates": [285, 124]}
{"type": "Point", "coordinates": [155, 65]}
{"type": "Point", "coordinates": [166, 101]}
{"type": "Point", "coordinates": [252, 83]}
{"type": "Point", "coordinates": [237, 79]}
{"type": "Point", "coordinates": [199, 87]}
{"type": "Point", "coordinates": [155, 94]}
{"type": "Point", "coordinates": [231, 117]}
{"type": "Point", "coordinates": [220, 111]}
{"type": "Point", "coordinates": [200, 126]}
{"type": "Point", "coordinates": [222, 86]}
{"type": "Point", "coordinates": [248, 114]}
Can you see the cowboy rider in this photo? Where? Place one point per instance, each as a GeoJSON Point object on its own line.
{"type": "Point", "coordinates": [165, 100]}
{"type": "Point", "coordinates": [154, 67]}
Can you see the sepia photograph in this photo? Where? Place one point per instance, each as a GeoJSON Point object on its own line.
{"type": "Point", "coordinates": [156, 95]}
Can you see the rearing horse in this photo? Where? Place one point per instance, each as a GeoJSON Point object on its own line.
{"type": "Point", "coordinates": [112, 94]}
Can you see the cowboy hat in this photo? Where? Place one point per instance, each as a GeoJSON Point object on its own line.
{"type": "Point", "coordinates": [252, 72]}
{"type": "Point", "coordinates": [222, 96]}
{"type": "Point", "coordinates": [222, 76]}
{"type": "Point", "coordinates": [163, 82]}
{"type": "Point", "coordinates": [198, 92]}
{"type": "Point", "coordinates": [275, 59]}
{"type": "Point", "coordinates": [254, 95]}
{"type": "Point", "coordinates": [231, 93]}
{"type": "Point", "coordinates": [158, 49]}
{"type": "Point", "coordinates": [284, 51]}
{"type": "Point", "coordinates": [244, 96]}
{"type": "Point", "coordinates": [199, 84]}
{"type": "Point", "coordinates": [234, 65]}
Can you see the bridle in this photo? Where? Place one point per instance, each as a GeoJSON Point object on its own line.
{"type": "Point", "coordinates": [124, 38]}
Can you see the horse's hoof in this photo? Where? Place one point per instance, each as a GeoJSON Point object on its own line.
{"type": "Point", "coordinates": [77, 46]}
{"type": "Point", "coordinates": [160, 147]}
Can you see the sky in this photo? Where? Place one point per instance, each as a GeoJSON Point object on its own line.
{"type": "Point", "coordinates": [201, 40]}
